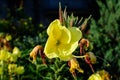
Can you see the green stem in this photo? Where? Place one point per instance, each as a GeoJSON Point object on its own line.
{"type": "Point", "coordinates": [36, 69]}
{"type": "Point", "coordinates": [75, 78]}
{"type": "Point", "coordinates": [18, 77]}
{"type": "Point", "coordinates": [79, 56]}
{"type": "Point", "coordinates": [2, 66]}
{"type": "Point", "coordinates": [55, 76]}
{"type": "Point", "coordinates": [108, 64]}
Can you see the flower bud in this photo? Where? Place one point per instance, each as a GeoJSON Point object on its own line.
{"type": "Point", "coordinates": [8, 37]}
{"type": "Point", "coordinates": [16, 51]}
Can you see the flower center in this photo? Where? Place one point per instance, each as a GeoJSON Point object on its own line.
{"type": "Point", "coordinates": [58, 43]}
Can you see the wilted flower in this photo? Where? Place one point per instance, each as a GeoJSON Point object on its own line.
{"type": "Point", "coordinates": [85, 42]}
{"type": "Point", "coordinates": [74, 65]}
{"type": "Point", "coordinates": [90, 58]}
{"type": "Point", "coordinates": [62, 41]}
{"type": "Point", "coordinates": [35, 51]}
{"type": "Point", "coordinates": [84, 45]}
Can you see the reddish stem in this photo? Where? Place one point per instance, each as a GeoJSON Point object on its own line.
{"type": "Point", "coordinates": [42, 56]}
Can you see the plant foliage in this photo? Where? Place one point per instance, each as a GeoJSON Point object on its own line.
{"type": "Point", "coordinates": [105, 36]}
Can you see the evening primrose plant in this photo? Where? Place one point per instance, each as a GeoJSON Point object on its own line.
{"type": "Point", "coordinates": [65, 37]}
{"type": "Point", "coordinates": [66, 43]}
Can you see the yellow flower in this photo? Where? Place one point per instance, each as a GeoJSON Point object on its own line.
{"type": "Point", "coordinates": [75, 65]}
{"type": "Point", "coordinates": [14, 69]}
{"type": "Point", "coordinates": [11, 68]}
{"type": "Point", "coordinates": [104, 75]}
{"type": "Point", "coordinates": [95, 76]}
{"type": "Point", "coordinates": [100, 75]}
{"type": "Point", "coordinates": [4, 55]}
{"type": "Point", "coordinates": [62, 41]}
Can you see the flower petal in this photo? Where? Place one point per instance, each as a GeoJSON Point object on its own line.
{"type": "Point", "coordinates": [64, 57]}
{"type": "Point", "coordinates": [68, 49]}
{"type": "Point", "coordinates": [54, 29]}
{"type": "Point", "coordinates": [65, 36]}
{"type": "Point", "coordinates": [76, 34]}
{"type": "Point", "coordinates": [50, 48]}
{"type": "Point", "coordinates": [73, 47]}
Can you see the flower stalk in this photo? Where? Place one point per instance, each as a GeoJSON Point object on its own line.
{"type": "Point", "coordinates": [79, 56]}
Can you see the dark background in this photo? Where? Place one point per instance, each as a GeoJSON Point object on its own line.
{"type": "Point", "coordinates": [43, 11]}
